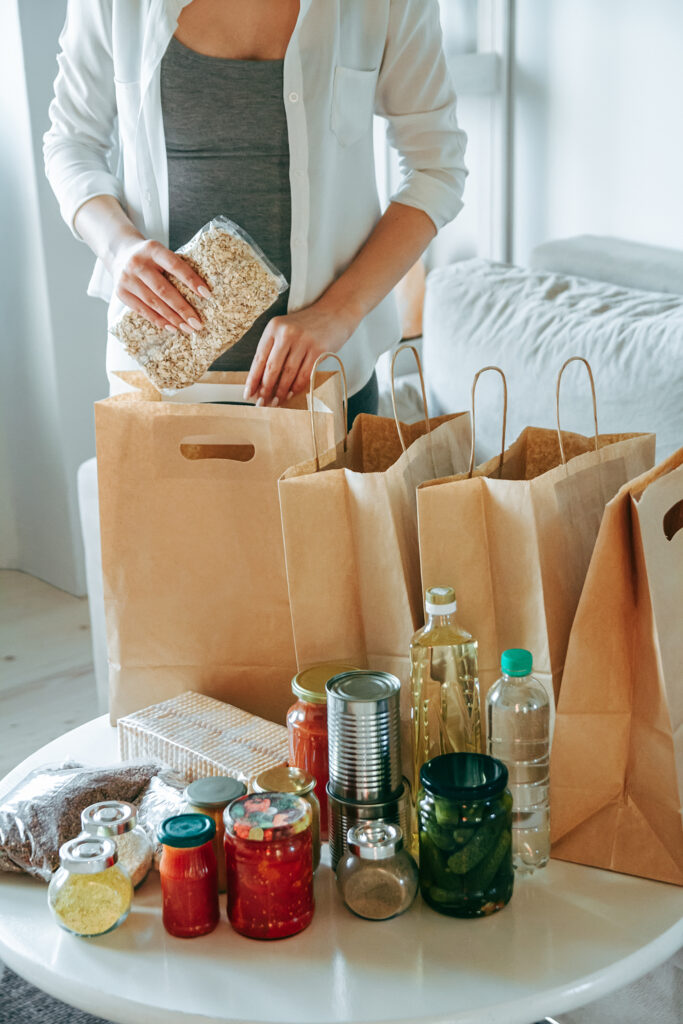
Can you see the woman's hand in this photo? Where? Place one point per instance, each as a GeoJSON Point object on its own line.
{"type": "Point", "coordinates": [290, 346]}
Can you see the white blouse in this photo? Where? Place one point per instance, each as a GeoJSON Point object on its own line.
{"type": "Point", "coordinates": [346, 60]}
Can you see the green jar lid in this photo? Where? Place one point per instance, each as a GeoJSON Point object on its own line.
{"type": "Point", "coordinates": [464, 776]}
{"type": "Point", "coordinates": [214, 792]}
{"type": "Point", "coordinates": [516, 662]}
{"type": "Point", "coordinates": [186, 830]}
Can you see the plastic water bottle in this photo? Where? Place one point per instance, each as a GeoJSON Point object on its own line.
{"type": "Point", "coordinates": [518, 734]}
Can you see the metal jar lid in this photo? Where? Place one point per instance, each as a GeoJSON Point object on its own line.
{"type": "Point", "coordinates": [109, 818]}
{"type": "Point", "coordinates": [284, 779]}
{"type": "Point", "coordinates": [86, 855]}
{"type": "Point", "coordinates": [309, 684]}
{"type": "Point", "coordinates": [375, 840]}
{"type": "Point", "coordinates": [363, 687]}
{"type": "Point", "coordinates": [214, 792]}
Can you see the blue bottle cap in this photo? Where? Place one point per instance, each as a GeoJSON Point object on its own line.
{"type": "Point", "coordinates": [516, 662]}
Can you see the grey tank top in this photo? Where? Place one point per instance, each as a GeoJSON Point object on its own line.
{"type": "Point", "coordinates": [228, 154]}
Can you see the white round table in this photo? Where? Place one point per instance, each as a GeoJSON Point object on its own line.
{"type": "Point", "coordinates": [569, 935]}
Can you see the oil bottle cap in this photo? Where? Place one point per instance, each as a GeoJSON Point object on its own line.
{"type": "Point", "coordinates": [440, 601]}
{"type": "Point", "coordinates": [516, 662]}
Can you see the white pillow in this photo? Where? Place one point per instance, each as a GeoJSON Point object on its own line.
{"type": "Point", "coordinates": [528, 322]}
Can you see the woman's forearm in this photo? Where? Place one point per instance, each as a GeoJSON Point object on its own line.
{"type": "Point", "coordinates": [105, 227]}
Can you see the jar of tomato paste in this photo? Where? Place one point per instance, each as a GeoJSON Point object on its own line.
{"type": "Point", "coordinates": [307, 728]}
{"type": "Point", "coordinates": [189, 879]}
{"type": "Point", "coordinates": [269, 859]}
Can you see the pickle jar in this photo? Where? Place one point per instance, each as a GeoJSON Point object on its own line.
{"type": "Point", "coordinates": [464, 815]}
{"type": "Point", "coordinates": [117, 820]}
{"type": "Point", "coordinates": [211, 796]}
{"type": "Point", "coordinates": [283, 779]}
{"type": "Point", "coordinates": [90, 893]}
{"type": "Point", "coordinates": [269, 857]}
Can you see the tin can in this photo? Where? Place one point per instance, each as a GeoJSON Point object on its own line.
{"type": "Point", "coordinates": [346, 814]}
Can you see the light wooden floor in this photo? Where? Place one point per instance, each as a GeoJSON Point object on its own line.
{"type": "Point", "coordinates": [47, 685]}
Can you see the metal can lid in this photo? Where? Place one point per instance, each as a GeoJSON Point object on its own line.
{"type": "Point", "coordinates": [86, 854]}
{"type": "Point", "coordinates": [464, 776]}
{"type": "Point", "coordinates": [363, 686]}
{"type": "Point", "coordinates": [184, 831]}
{"type": "Point", "coordinates": [264, 817]}
{"type": "Point", "coordinates": [216, 791]}
{"type": "Point", "coordinates": [284, 779]}
{"type": "Point", "coordinates": [309, 685]}
{"type": "Point", "coordinates": [375, 840]}
{"type": "Point", "coordinates": [109, 818]}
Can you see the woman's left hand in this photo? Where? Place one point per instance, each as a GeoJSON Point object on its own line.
{"type": "Point", "coordinates": [290, 346]}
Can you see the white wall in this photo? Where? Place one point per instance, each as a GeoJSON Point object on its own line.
{"type": "Point", "coordinates": [599, 121]}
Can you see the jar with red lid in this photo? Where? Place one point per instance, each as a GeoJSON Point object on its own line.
{"type": "Point", "coordinates": [307, 728]}
{"type": "Point", "coordinates": [269, 859]}
{"type": "Point", "coordinates": [189, 877]}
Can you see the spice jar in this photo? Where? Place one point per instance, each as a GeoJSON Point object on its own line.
{"type": "Point", "coordinates": [211, 796]}
{"type": "Point", "coordinates": [90, 893]}
{"type": "Point", "coordinates": [116, 819]}
{"type": "Point", "coordinates": [283, 779]}
{"type": "Point", "coordinates": [307, 728]}
{"type": "Point", "coordinates": [189, 880]}
{"type": "Point", "coordinates": [377, 879]}
{"type": "Point", "coordinates": [465, 823]}
{"type": "Point", "coordinates": [269, 857]}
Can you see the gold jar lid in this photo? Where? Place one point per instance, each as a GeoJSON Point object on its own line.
{"type": "Point", "coordinates": [309, 684]}
{"type": "Point", "coordinates": [283, 779]}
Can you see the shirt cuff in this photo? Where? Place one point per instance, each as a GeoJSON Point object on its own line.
{"type": "Point", "coordinates": [440, 200]}
{"type": "Point", "coordinates": [83, 187]}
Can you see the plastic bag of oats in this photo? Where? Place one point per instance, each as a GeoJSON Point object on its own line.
{"type": "Point", "coordinates": [244, 284]}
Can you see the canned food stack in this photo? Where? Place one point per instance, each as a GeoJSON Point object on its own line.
{"type": "Point", "coordinates": [365, 782]}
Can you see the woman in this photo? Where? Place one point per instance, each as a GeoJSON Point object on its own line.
{"type": "Point", "coordinates": [260, 111]}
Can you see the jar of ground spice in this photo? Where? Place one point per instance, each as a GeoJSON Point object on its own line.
{"type": "Point", "coordinates": [377, 879]}
{"type": "Point", "coordinates": [90, 893]}
{"type": "Point", "coordinates": [117, 820]}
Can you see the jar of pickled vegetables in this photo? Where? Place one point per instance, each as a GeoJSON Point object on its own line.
{"type": "Point", "coordinates": [189, 879]}
{"type": "Point", "coordinates": [465, 825]}
{"type": "Point", "coordinates": [211, 796]}
{"type": "Point", "coordinates": [284, 779]}
{"type": "Point", "coordinates": [307, 728]}
{"type": "Point", "coordinates": [269, 858]}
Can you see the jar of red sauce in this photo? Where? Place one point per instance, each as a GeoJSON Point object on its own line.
{"type": "Point", "coordinates": [286, 779]}
{"type": "Point", "coordinates": [211, 796]}
{"type": "Point", "coordinates": [307, 728]}
{"type": "Point", "coordinates": [269, 859]}
{"type": "Point", "coordinates": [189, 877]}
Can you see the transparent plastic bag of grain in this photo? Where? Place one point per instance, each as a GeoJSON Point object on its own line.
{"type": "Point", "coordinates": [243, 283]}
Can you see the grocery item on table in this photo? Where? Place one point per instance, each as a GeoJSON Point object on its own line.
{"type": "Point", "coordinates": [301, 783]}
{"type": "Point", "coordinates": [189, 877]}
{"type": "Point", "coordinates": [465, 821]}
{"type": "Point", "coordinates": [199, 736]}
{"type": "Point", "coordinates": [43, 811]}
{"type": "Point", "coordinates": [163, 798]}
{"type": "Point", "coordinates": [90, 893]}
{"type": "Point", "coordinates": [377, 879]}
{"type": "Point", "coordinates": [243, 284]}
{"type": "Point", "coordinates": [269, 857]}
{"type": "Point", "coordinates": [211, 796]}
{"type": "Point", "coordinates": [307, 728]}
{"type": "Point", "coordinates": [117, 820]}
{"type": "Point", "coordinates": [344, 814]}
{"type": "Point", "coordinates": [518, 734]}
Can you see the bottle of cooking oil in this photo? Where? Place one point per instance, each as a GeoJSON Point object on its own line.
{"type": "Point", "coordinates": [445, 685]}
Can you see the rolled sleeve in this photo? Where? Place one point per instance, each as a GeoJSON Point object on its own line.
{"type": "Point", "coordinates": [416, 97]}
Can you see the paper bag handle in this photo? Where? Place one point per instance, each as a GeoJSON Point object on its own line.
{"type": "Point", "coordinates": [413, 349]}
{"type": "Point", "coordinates": [345, 401]}
{"type": "Point", "coordinates": [505, 416]}
{"type": "Point", "coordinates": [575, 359]}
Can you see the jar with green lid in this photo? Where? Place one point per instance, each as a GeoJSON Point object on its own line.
{"type": "Point", "coordinates": [464, 815]}
{"type": "Point", "coordinates": [117, 820]}
{"type": "Point", "coordinates": [90, 893]}
{"type": "Point", "coordinates": [284, 779]}
{"type": "Point", "coordinates": [211, 796]}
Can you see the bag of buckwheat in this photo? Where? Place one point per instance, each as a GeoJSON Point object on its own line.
{"type": "Point", "coordinates": [244, 284]}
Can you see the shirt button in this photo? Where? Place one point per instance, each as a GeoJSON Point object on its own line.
{"type": "Point", "coordinates": [294, 97]}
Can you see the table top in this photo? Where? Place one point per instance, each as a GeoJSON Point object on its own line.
{"type": "Point", "coordinates": [570, 934]}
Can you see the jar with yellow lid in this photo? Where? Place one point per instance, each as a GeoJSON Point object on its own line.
{"type": "Point", "coordinates": [211, 796]}
{"type": "Point", "coordinates": [307, 728]}
{"type": "Point", "coordinates": [284, 779]}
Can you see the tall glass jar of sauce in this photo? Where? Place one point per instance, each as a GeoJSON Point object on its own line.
{"type": "Point", "coordinates": [269, 856]}
{"type": "Point", "coordinates": [284, 779]}
{"type": "Point", "coordinates": [189, 879]}
{"type": "Point", "coordinates": [307, 728]}
{"type": "Point", "coordinates": [211, 796]}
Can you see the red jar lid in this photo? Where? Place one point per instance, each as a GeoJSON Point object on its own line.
{"type": "Point", "coordinates": [267, 816]}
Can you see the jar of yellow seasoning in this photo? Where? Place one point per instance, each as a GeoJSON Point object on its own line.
{"type": "Point", "coordinates": [90, 893]}
{"type": "Point", "coordinates": [284, 779]}
{"type": "Point", "coordinates": [211, 796]}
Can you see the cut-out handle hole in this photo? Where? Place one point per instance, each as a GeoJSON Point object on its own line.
{"type": "Point", "coordinates": [196, 448]}
{"type": "Point", "coordinates": [673, 520]}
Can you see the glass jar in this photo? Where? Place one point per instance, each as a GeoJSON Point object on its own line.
{"type": "Point", "coordinates": [378, 878]}
{"type": "Point", "coordinates": [307, 728]}
{"type": "Point", "coordinates": [283, 779]}
{"type": "Point", "coordinates": [116, 819]}
{"type": "Point", "coordinates": [90, 893]}
{"type": "Point", "coordinates": [269, 857]}
{"type": "Point", "coordinates": [189, 878]}
{"type": "Point", "coordinates": [465, 824]}
{"type": "Point", "coordinates": [211, 796]}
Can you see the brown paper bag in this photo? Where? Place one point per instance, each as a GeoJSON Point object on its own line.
{"type": "Point", "coordinates": [195, 585]}
{"type": "Point", "coordinates": [350, 532]}
{"type": "Point", "coordinates": [616, 773]}
{"type": "Point", "coordinates": [514, 537]}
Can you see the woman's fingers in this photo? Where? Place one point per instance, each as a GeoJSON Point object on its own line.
{"type": "Point", "coordinates": [153, 302]}
{"type": "Point", "coordinates": [303, 377]}
{"type": "Point", "coordinates": [176, 265]}
{"type": "Point", "coordinates": [293, 363]}
{"type": "Point", "coordinates": [135, 302]}
{"type": "Point", "coordinates": [170, 298]}
{"type": "Point", "coordinates": [258, 364]}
